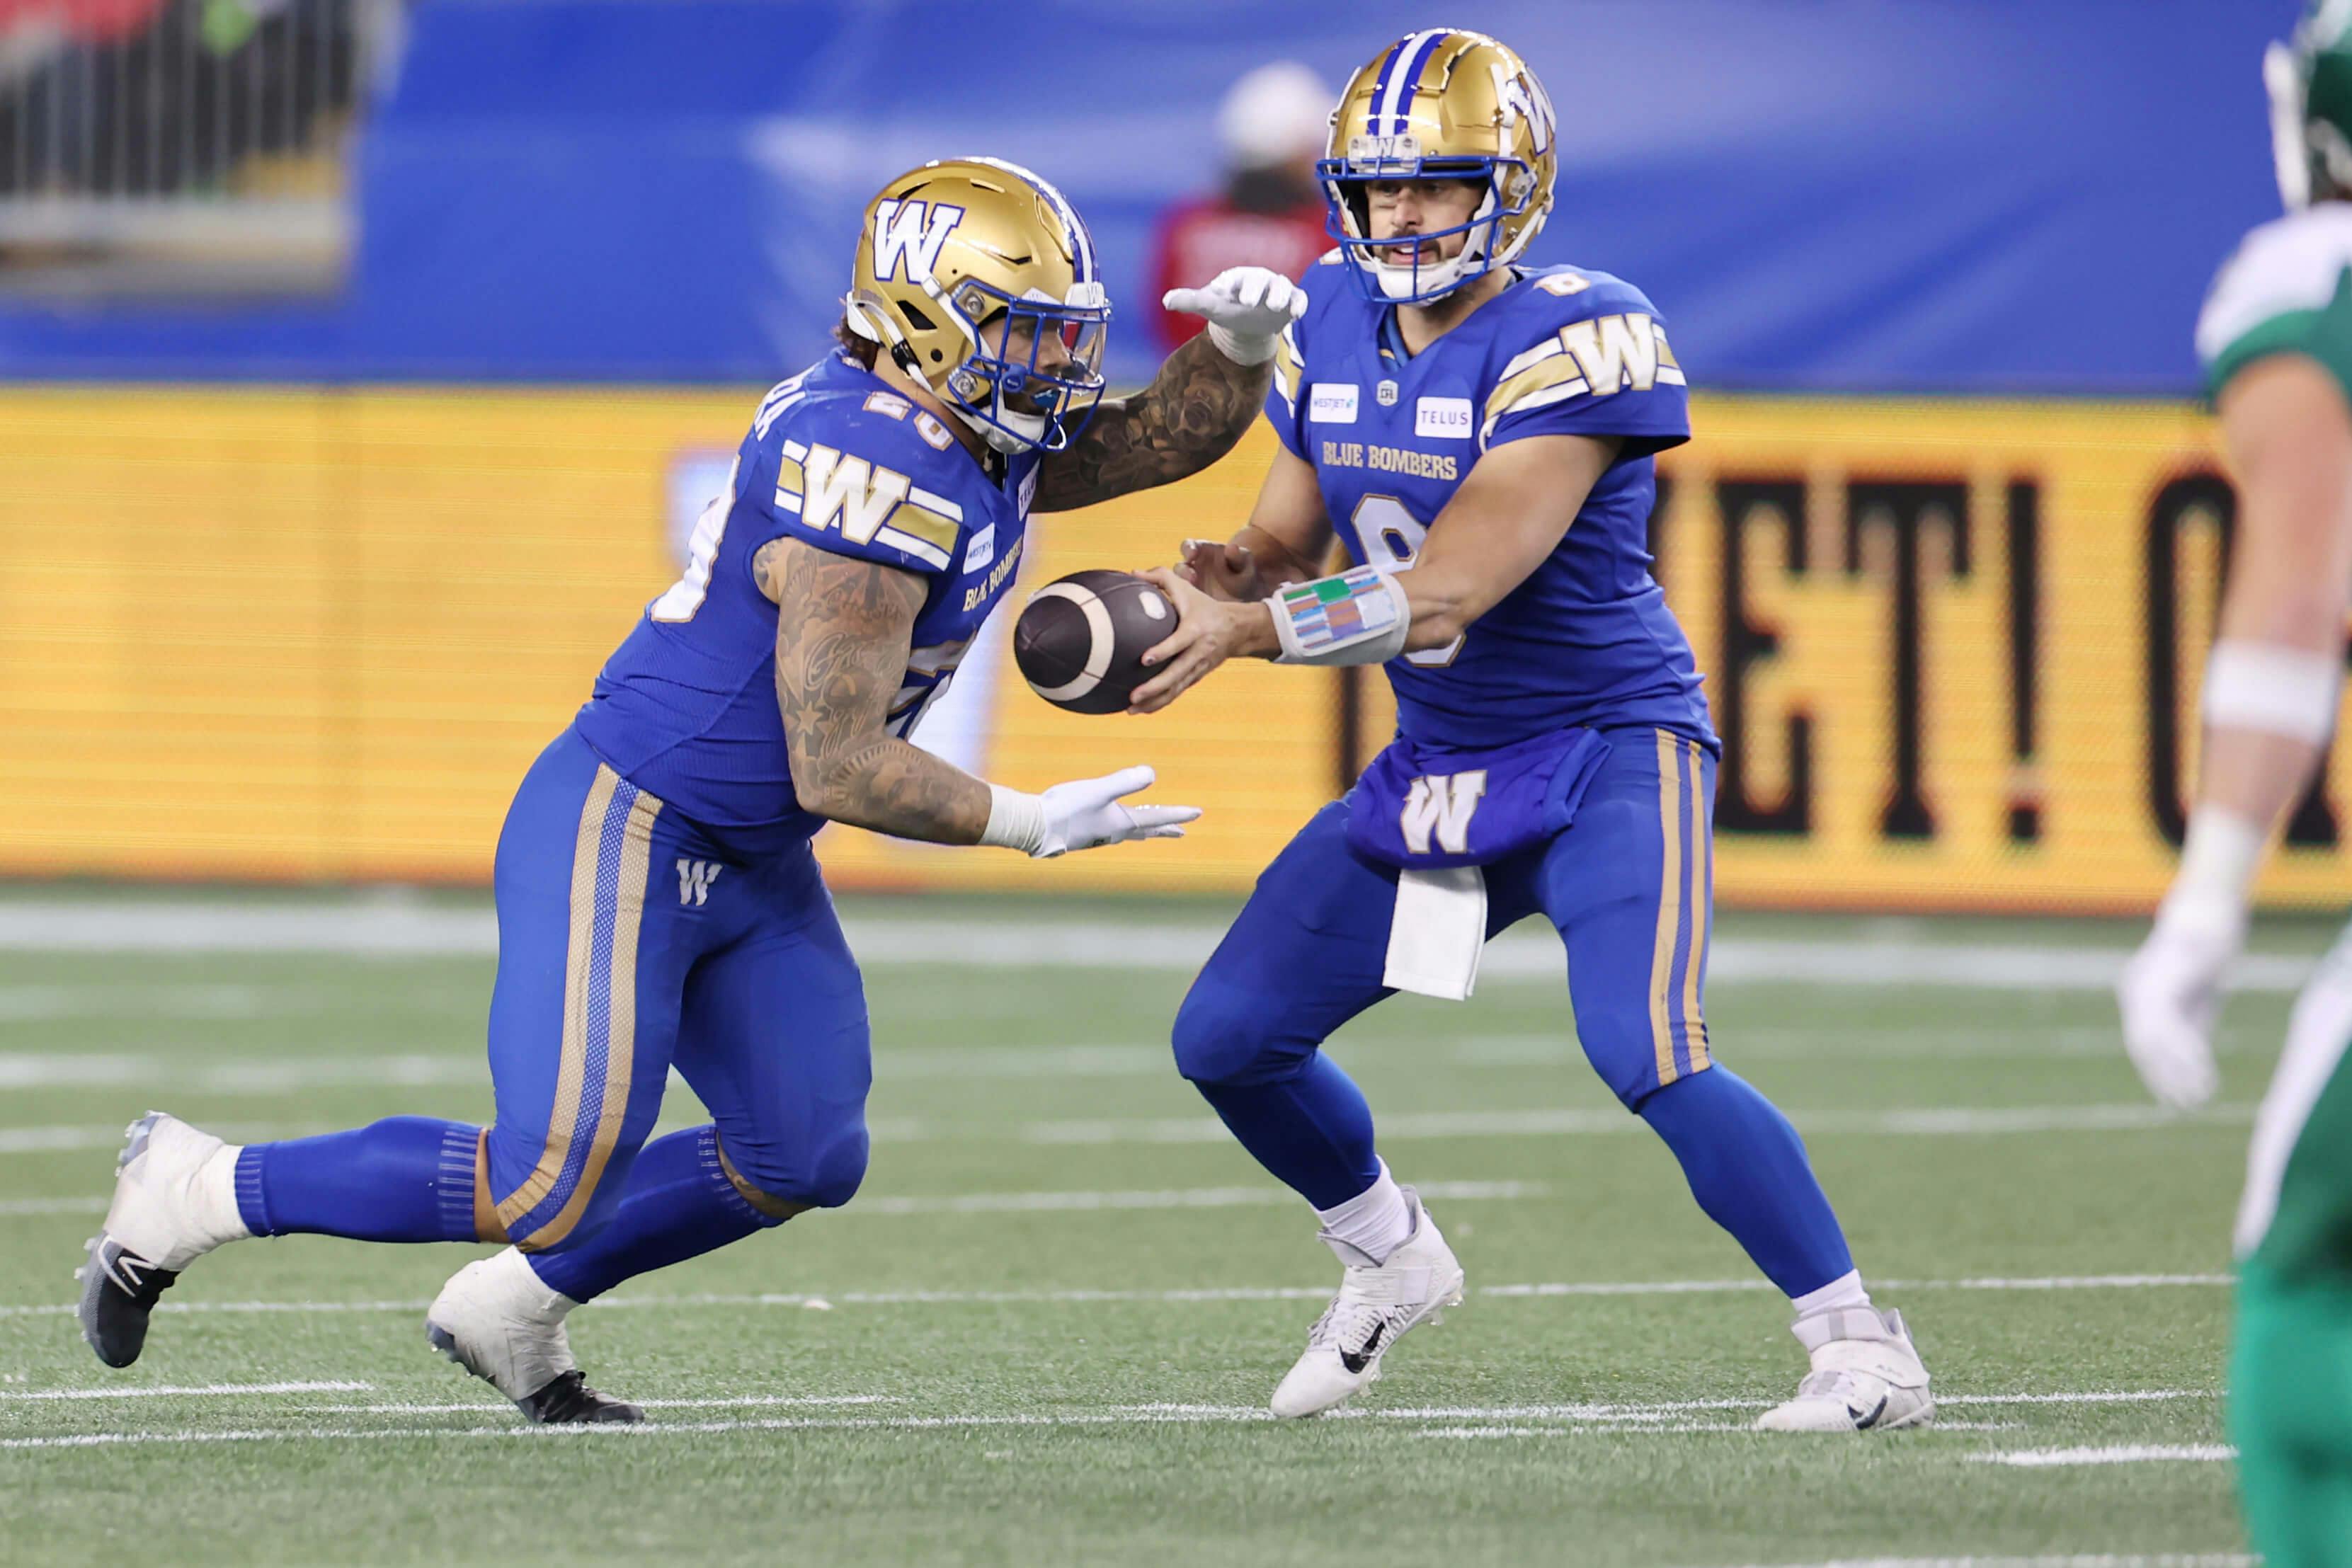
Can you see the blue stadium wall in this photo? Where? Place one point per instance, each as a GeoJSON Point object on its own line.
{"type": "Point", "coordinates": [1932, 196]}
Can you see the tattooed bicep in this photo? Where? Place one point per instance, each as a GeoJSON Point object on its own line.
{"type": "Point", "coordinates": [842, 630]}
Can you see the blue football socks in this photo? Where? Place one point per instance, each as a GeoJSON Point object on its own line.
{"type": "Point", "coordinates": [405, 1178]}
{"type": "Point", "coordinates": [677, 1204]}
{"type": "Point", "coordinates": [1747, 1167]}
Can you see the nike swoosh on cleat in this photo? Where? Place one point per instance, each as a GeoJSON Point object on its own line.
{"type": "Point", "coordinates": [1355, 1361]}
{"type": "Point", "coordinates": [131, 1274]}
{"type": "Point", "coordinates": [1865, 1423]}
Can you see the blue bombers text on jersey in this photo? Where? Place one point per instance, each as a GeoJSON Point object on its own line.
{"type": "Point", "coordinates": [686, 707]}
{"type": "Point", "coordinates": [1587, 639]}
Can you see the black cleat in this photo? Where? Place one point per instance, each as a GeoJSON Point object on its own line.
{"type": "Point", "coordinates": [118, 1289]}
{"type": "Point", "coordinates": [569, 1401]}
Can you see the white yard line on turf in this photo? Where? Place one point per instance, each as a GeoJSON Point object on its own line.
{"type": "Point", "coordinates": [2135, 1454]}
{"type": "Point", "coordinates": [1925, 1122]}
{"type": "Point", "coordinates": [189, 1391]}
{"type": "Point", "coordinates": [1701, 1287]}
{"type": "Point", "coordinates": [196, 1068]}
{"type": "Point", "coordinates": [1678, 1429]}
{"type": "Point", "coordinates": [68, 1139]}
{"type": "Point", "coordinates": [1178, 1197]}
{"type": "Point", "coordinates": [1618, 1420]}
{"type": "Point", "coordinates": [1179, 1298]}
{"type": "Point", "coordinates": [1546, 1421]}
{"type": "Point", "coordinates": [397, 929]}
{"type": "Point", "coordinates": [2091, 1560]}
{"type": "Point", "coordinates": [502, 1408]}
{"type": "Point", "coordinates": [272, 1075]}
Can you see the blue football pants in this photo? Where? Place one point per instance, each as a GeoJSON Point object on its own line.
{"type": "Point", "coordinates": [1629, 886]}
{"type": "Point", "coordinates": [628, 942]}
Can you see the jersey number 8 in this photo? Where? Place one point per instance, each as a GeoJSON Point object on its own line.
{"type": "Point", "coordinates": [1390, 539]}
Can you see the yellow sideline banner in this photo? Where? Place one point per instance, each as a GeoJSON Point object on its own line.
{"type": "Point", "coordinates": [318, 634]}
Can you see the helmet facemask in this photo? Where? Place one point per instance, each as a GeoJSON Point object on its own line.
{"type": "Point", "coordinates": [1509, 188]}
{"type": "Point", "coordinates": [1008, 388]}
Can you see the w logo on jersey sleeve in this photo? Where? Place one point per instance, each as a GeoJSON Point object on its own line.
{"type": "Point", "coordinates": [908, 237]}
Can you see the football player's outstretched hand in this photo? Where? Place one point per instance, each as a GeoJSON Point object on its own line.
{"type": "Point", "coordinates": [1246, 308]}
{"type": "Point", "coordinates": [1086, 814]}
{"type": "Point", "coordinates": [2170, 993]}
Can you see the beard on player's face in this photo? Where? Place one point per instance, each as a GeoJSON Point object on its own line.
{"type": "Point", "coordinates": [1009, 339]}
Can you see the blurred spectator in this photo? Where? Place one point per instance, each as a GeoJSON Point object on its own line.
{"type": "Point", "coordinates": [1272, 127]}
{"type": "Point", "coordinates": [165, 98]}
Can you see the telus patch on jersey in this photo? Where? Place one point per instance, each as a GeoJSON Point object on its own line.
{"type": "Point", "coordinates": [1331, 403]}
{"type": "Point", "coordinates": [1441, 416]}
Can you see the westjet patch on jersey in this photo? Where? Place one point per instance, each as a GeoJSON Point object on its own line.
{"type": "Point", "coordinates": [1331, 403]}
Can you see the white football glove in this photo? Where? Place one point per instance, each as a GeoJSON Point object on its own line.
{"type": "Point", "coordinates": [2170, 992]}
{"type": "Point", "coordinates": [1246, 308]}
{"type": "Point", "coordinates": [1084, 814]}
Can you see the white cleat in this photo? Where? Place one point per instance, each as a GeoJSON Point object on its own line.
{"type": "Point", "coordinates": [1866, 1378]}
{"type": "Point", "coordinates": [499, 1321]}
{"type": "Point", "coordinates": [1378, 1303]}
{"type": "Point", "coordinates": [174, 1200]}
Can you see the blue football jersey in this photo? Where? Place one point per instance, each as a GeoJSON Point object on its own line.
{"type": "Point", "coordinates": [1587, 639]}
{"type": "Point", "coordinates": [686, 708]}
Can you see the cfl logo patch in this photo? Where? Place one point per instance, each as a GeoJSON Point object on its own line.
{"type": "Point", "coordinates": [1440, 805]}
{"type": "Point", "coordinates": [694, 880]}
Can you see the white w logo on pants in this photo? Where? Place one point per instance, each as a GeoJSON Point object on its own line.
{"type": "Point", "coordinates": [1442, 804]}
{"type": "Point", "coordinates": [694, 880]}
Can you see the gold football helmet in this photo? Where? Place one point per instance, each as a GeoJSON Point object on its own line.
{"type": "Point", "coordinates": [979, 280]}
{"type": "Point", "coordinates": [1441, 104]}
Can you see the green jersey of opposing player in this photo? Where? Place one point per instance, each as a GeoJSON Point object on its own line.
{"type": "Point", "coordinates": [2275, 337]}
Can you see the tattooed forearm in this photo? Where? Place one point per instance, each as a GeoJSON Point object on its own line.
{"type": "Point", "coordinates": [1189, 417]}
{"type": "Point", "coordinates": [842, 633]}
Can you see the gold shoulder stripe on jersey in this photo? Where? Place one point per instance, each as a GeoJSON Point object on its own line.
{"type": "Point", "coordinates": [1555, 374]}
{"type": "Point", "coordinates": [1670, 369]}
{"type": "Point", "coordinates": [791, 481]}
{"type": "Point", "coordinates": [926, 525]}
{"type": "Point", "coordinates": [1289, 366]}
{"type": "Point", "coordinates": [1517, 362]}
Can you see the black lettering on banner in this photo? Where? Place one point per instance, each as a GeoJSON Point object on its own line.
{"type": "Point", "coordinates": [1747, 643]}
{"type": "Point", "coordinates": [2024, 512]}
{"type": "Point", "coordinates": [1906, 506]}
{"type": "Point", "coordinates": [2192, 498]}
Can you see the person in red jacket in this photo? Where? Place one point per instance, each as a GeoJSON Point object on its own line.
{"type": "Point", "coordinates": [1269, 213]}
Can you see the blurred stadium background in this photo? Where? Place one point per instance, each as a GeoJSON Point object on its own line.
{"type": "Point", "coordinates": [366, 361]}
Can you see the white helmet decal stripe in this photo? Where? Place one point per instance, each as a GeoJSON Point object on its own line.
{"type": "Point", "coordinates": [1411, 57]}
